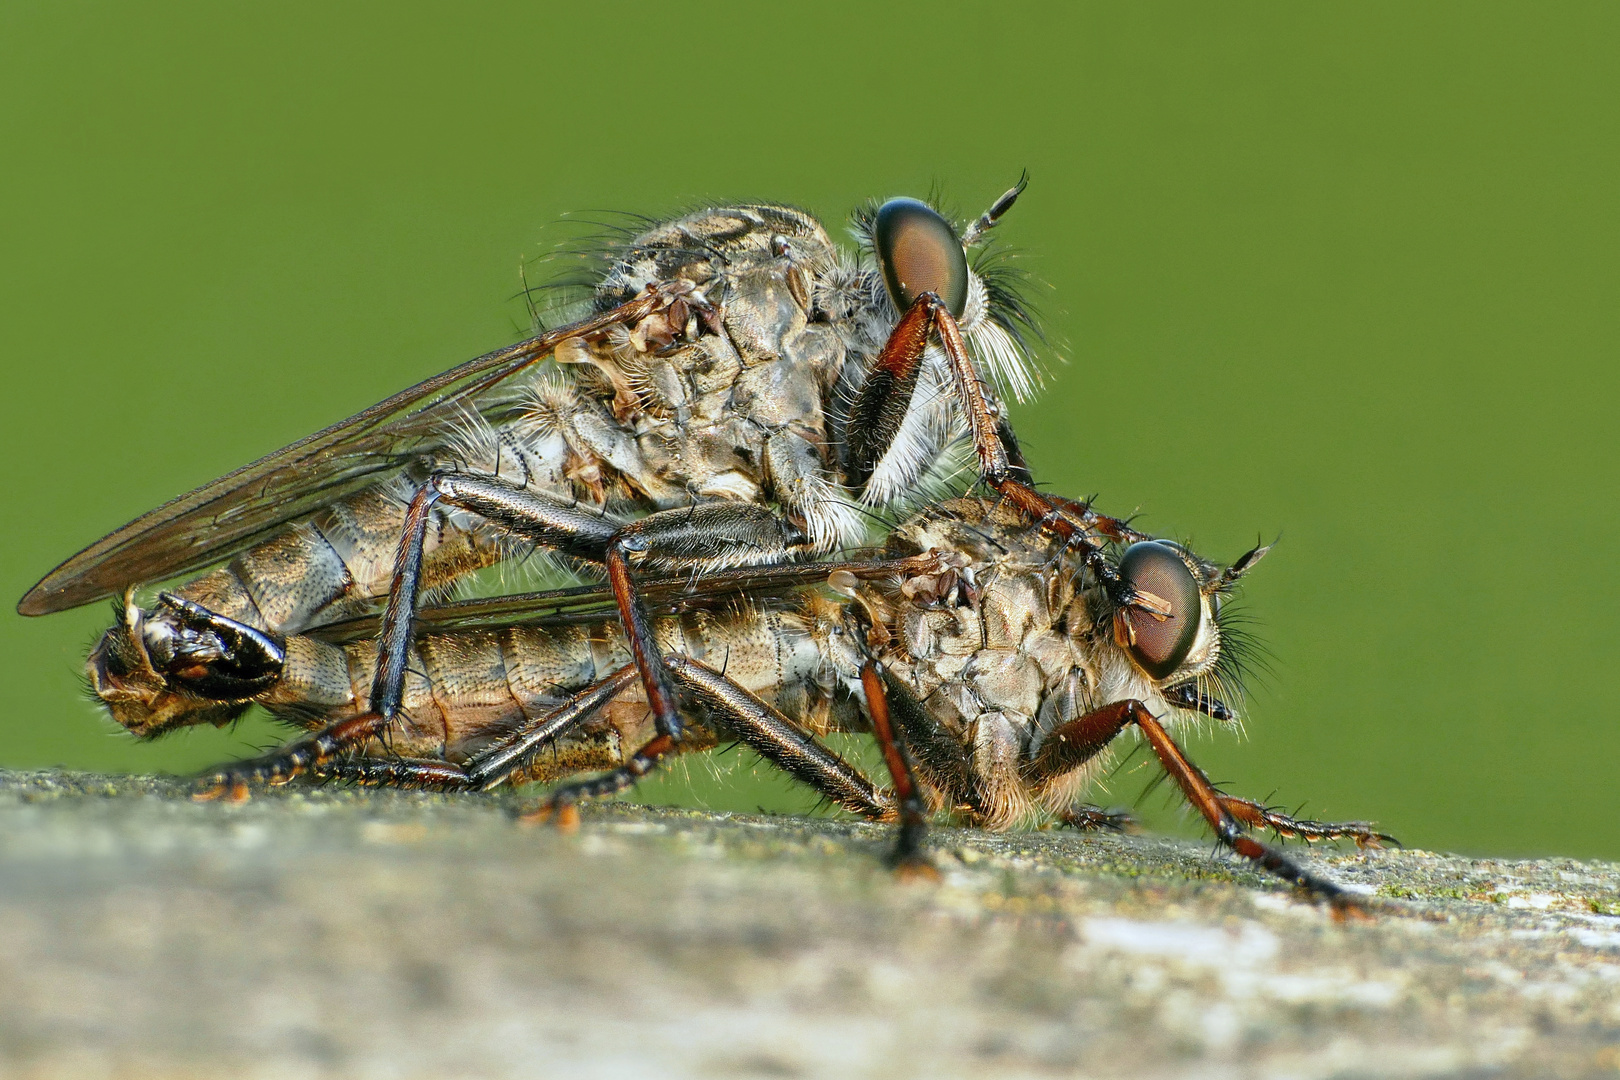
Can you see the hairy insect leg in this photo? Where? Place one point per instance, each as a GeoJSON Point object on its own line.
{"type": "Point", "coordinates": [514, 753]}
{"type": "Point", "coordinates": [1258, 816]}
{"type": "Point", "coordinates": [291, 760]}
{"type": "Point", "coordinates": [1080, 739]}
{"type": "Point", "coordinates": [908, 857]}
{"type": "Point", "coordinates": [885, 397]}
{"type": "Point", "coordinates": [757, 725]}
{"type": "Point", "coordinates": [774, 737]}
{"type": "Point", "coordinates": [1096, 819]}
{"type": "Point", "coordinates": [886, 393]}
{"type": "Point", "coordinates": [420, 774]}
{"type": "Point", "coordinates": [710, 535]}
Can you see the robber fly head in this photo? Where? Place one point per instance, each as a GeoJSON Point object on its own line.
{"type": "Point", "coordinates": [918, 250]}
{"type": "Point", "coordinates": [1180, 646]}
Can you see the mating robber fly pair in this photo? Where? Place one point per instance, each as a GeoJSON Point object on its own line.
{"type": "Point", "coordinates": [710, 437]}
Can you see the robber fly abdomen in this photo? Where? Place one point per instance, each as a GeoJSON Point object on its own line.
{"type": "Point", "coordinates": [468, 690]}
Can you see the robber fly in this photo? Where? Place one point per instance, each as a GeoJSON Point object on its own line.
{"type": "Point", "coordinates": [979, 649]}
{"type": "Point", "coordinates": [740, 392]}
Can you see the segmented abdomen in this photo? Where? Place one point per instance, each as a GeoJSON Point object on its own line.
{"type": "Point", "coordinates": [464, 690]}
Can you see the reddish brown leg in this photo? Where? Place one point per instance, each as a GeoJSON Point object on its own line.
{"type": "Point", "coordinates": [1072, 744]}
{"type": "Point", "coordinates": [655, 677]}
{"type": "Point", "coordinates": [908, 857]}
{"type": "Point", "coordinates": [1079, 740]}
{"type": "Point", "coordinates": [1207, 801]}
{"type": "Point", "coordinates": [564, 801]}
{"type": "Point", "coordinates": [1074, 522]}
{"type": "Point", "coordinates": [886, 396]}
{"type": "Point", "coordinates": [1256, 816]}
{"type": "Point", "coordinates": [291, 760]}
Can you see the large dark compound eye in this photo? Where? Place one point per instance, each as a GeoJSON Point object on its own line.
{"type": "Point", "coordinates": [1160, 643]}
{"type": "Point", "coordinates": [920, 252]}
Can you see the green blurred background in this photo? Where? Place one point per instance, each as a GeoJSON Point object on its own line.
{"type": "Point", "coordinates": [1347, 276]}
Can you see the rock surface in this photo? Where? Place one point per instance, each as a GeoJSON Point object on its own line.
{"type": "Point", "coordinates": [376, 934]}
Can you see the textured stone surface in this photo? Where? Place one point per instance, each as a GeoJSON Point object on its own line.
{"type": "Point", "coordinates": [327, 932]}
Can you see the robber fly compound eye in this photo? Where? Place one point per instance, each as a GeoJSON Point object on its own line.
{"type": "Point", "coordinates": [1159, 643]}
{"type": "Point", "coordinates": [920, 252]}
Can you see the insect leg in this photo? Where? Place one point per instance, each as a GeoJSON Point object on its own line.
{"type": "Point", "coordinates": [565, 527]}
{"type": "Point", "coordinates": [1079, 740]}
{"type": "Point", "coordinates": [758, 725]}
{"type": "Point", "coordinates": [780, 741]}
{"type": "Point", "coordinates": [1075, 742]}
{"type": "Point", "coordinates": [908, 853]}
{"type": "Point", "coordinates": [563, 802]}
{"type": "Point", "coordinates": [293, 759]}
{"type": "Point", "coordinates": [933, 755]}
{"type": "Point", "coordinates": [421, 773]}
{"type": "Point", "coordinates": [885, 397]}
{"type": "Point", "coordinates": [1096, 819]}
{"type": "Point", "coordinates": [1075, 522]}
{"type": "Point", "coordinates": [514, 752]}
{"type": "Point", "coordinates": [708, 536]}
{"type": "Point", "coordinates": [316, 755]}
{"type": "Point", "coordinates": [1258, 816]}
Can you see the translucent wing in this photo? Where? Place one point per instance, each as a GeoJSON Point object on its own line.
{"type": "Point", "coordinates": [663, 595]}
{"type": "Point", "coordinates": [227, 515]}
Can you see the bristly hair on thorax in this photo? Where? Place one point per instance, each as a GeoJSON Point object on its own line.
{"type": "Point", "coordinates": [1002, 324]}
{"type": "Point", "coordinates": [559, 284]}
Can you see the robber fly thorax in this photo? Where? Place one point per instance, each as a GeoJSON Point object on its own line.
{"type": "Point", "coordinates": [728, 359]}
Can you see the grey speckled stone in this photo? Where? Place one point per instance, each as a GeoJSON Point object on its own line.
{"type": "Point", "coordinates": [324, 932]}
